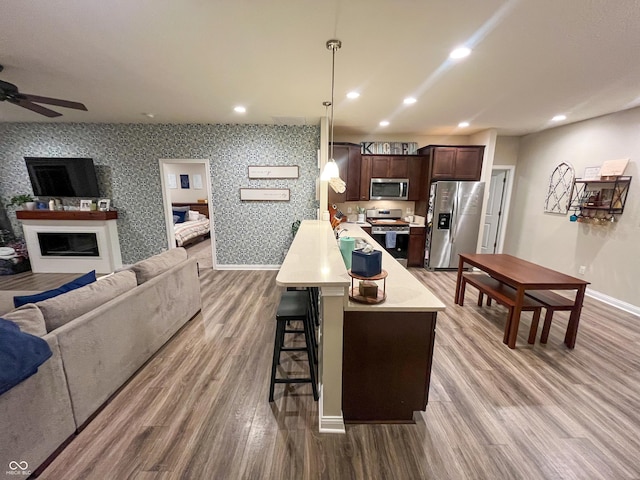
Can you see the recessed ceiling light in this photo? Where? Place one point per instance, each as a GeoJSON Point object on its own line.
{"type": "Point", "coordinates": [384, 123]}
{"type": "Point", "coordinates": [353, 95]}
{"type": "Point", "coordinates": [463, 124]}
{"type": "Point", "coordinates": [409, 101]}
{"type": "Point", "coordinates": [239, 109]}
{"type": "Point", "coordinates": [559, 118]}
{"type": "Point", "coordinates": [460, 52]}
{"type": "Point", "coordinates": [149, 115]}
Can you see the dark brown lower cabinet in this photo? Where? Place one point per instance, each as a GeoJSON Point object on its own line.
{"type": "Point", "coordinates": [386, 367]}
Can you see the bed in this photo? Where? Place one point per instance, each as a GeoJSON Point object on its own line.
{"type": "Point", "coordinates": [195, 224]}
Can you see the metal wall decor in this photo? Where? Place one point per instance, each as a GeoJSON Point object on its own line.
{"type": "Point", "coordinates": [559, 191]}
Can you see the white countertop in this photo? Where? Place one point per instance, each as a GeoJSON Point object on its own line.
{"type": "Point", "coordinates": [405, 293]}
{"type": "Point", "coordinates": [314, 259]}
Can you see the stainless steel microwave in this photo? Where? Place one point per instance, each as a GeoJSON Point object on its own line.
{"type": "Point", "coordinates": [389, 189]}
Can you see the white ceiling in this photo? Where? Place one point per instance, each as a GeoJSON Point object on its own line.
{"type": "Point", "coordinates": [192, 61]}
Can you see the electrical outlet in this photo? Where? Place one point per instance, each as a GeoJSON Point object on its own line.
{"type": "Point", "coordinates": [349, 210]}
{"type": "Point", "coordinates": [582, 269]}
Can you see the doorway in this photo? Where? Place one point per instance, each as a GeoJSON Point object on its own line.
{"type": "Point", "coordinates": [186, 183]}
{"type": "Point", "coordinates": [495, 219]}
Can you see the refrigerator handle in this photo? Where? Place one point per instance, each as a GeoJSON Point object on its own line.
{"type": "Point", "coordinates": [454, 218]}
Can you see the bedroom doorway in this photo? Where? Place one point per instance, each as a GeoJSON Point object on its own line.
{"type": "Point", "coordinates": [186, 186]}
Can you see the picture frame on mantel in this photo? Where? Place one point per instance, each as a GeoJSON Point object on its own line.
{"type": "Point", "coordinates": [85, 205]}
{"type": "Point", "coordinates": [273, 171]}
{"type": "Point", "coordinates": [264, 194]}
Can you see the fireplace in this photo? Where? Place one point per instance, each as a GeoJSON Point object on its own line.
{"type": "Point", "coordinates": [71, 242]}
{"type": "Point", "coordinates": [68, 244]}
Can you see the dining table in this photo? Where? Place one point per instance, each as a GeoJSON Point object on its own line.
{"type": "Point", "coordinates": [524, 276]}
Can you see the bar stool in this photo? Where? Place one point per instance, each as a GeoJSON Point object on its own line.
{"type": "Point", "coordinates": [294, 306]}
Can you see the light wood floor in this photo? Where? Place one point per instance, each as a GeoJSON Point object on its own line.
{"type": "Point", "coordinates": [199, 409]}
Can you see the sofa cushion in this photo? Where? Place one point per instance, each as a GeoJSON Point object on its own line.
{"type": "Point", "coordinates": [85, 279]}
{"type": "Point", "coordinates": [62, 309]}
{"type": "Point", "coordinates": [151, 267]}
{"type": "Point", "coordinates": [29, 318]}
{"type": "Point", "coordinates": [20, 355]}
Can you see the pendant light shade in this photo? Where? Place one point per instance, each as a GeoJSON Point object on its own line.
{"type": "Point", "coordinates": [330, 170]}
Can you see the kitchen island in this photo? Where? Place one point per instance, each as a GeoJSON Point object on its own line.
{"type": "Point", "coordinates": [374, 360]}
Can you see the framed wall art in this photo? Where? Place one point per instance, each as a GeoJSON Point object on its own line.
{"type": "Point", "coordinates": [197, 181]}
{"type": "Point", "coordinates": [264, 194]}
{"type": "Point", "coordinates": [274, 171]}
{"type": "Point", "coordinates": [184, 181]}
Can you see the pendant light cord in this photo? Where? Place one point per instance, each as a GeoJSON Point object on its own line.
{"type": "Point", "coordinates": [333, 81]}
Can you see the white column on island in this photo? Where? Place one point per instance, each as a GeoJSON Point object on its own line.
{"type": "Point", "coordinates": [330, 360]}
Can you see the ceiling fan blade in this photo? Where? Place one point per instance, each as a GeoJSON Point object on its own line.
{"type": "Point", "coordinates": [53, 101]}
{"type": "Point", "coordinates": [33, 107]}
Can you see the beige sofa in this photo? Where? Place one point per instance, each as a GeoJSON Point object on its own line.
{"type": "Point", "coordinates": [100, 335]}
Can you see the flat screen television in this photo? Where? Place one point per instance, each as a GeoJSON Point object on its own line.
{"type": "Point", "coordinates": [62, 177]}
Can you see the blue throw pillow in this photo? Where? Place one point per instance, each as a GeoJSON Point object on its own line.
{"type": "Point", "coordinates": [85, 279]}
{"type": "Point", "coordinates": [20, 355]}
{"type": "Point", "coordinates": [180, 215]}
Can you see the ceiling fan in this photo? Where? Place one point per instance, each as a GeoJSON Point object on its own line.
{"type": "Point", "coordinates": [10, 93]}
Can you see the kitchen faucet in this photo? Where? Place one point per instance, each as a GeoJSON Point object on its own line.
{"type": "Point", "coordinates": [340, 231]}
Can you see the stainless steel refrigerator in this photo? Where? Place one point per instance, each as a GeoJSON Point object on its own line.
{"type": "Point", "coordinates": [453, 222]}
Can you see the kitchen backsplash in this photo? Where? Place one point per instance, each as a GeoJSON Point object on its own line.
{"type": "Point", "coordinates": [408, 208]}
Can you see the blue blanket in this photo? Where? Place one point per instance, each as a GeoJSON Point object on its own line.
{"type": "Point", "coordinates": [20, 355]}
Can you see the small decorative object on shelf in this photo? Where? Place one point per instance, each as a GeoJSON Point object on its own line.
{"type": "Point", "coordinates": [597, 202]}
{"type": "Point", "coordinates": [364, 292]}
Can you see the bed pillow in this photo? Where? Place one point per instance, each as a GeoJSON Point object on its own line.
{"type": "Point", "coordinates": [175, 219]}
{"type": "Point", "coordinates": [29, 319]}
{"type": "Point", "coordinates": [193, 215]}
{"type": "Point", "coordinates": [182, 212]}
{"type": "Point", "coordinates": [20, 355]}
{"type": "Point", "coordinates": [85, 279]}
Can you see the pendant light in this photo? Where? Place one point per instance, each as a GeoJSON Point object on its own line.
{"type": "Point", "coordinates": [331, 167]}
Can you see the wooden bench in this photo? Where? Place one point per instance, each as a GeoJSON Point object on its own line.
{"type": "Point", "coordinates": [504, 295]}
{"type": "Point", "coordinates": [551, 302]}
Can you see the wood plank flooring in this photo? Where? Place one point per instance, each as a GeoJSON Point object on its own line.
{"type": "Point", "coordinates": [199, 409]}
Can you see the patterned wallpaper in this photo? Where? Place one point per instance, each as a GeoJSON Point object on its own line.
{"type": "Point", "coordinates": [126, 158]}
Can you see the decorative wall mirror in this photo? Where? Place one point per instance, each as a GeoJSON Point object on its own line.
{"type": "Point", "coordinates": [559, 192]}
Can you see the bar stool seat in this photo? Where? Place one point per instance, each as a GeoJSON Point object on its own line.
{"type": "Point", "coordinates": [294, 306]}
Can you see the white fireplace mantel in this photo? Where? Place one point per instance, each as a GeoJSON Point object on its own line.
{"type": "Point", "coordinates": [102, 224]}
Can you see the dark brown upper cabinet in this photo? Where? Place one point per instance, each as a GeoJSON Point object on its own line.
{"type": "Point", "coordinates": [347, 156]}
{"type": "Point", "coordinates": [454, 162]}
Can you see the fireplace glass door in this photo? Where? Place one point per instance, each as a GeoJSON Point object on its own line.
{"type": "Point", "coordinates": [68, 244]}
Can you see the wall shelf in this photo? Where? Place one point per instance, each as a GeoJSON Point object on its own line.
{"type": "Point", "coordinates": [597, 198]}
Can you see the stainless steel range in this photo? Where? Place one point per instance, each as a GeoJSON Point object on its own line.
{"type": "Point", "coordinates": [390, 232]}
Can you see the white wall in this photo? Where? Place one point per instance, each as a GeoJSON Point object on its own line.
{"type": "Point", "coordinates": [506, 151]}
{"type": "Point", "coordinates": [611, 253]}
{"type": "Point", "coordinates": [187, 195]}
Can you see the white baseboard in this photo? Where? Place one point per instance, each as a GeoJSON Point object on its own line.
{"type": "Point", "coordinates": [247, 267]}
{"type": "Point", "coordinates": [329, 423]}
{"type": "Point", "coordinates": [614, 302]}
